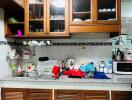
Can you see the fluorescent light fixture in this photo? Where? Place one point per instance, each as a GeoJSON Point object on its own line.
{"type": "Point", "coordinates": [59, 3]}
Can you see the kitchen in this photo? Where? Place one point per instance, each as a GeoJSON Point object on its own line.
{"type": "Point", "coordinates": [88, 46]}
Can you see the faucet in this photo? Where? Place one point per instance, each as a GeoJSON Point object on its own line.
{"type": "Point", "coordinates": [36, 74]}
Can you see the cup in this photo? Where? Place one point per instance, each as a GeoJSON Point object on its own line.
{"type": "Point", "coordinates": [56, 70]}
{"type": "Point", "coordinates": [105, 70]}
{"type": "Point", "coordinates": [104, 9]}
{"type": "Point", "coordinates": [108, 10]}
{"type": "Point", "coordinates": [19, 32]}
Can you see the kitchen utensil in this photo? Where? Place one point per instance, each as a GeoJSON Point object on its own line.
{"type": "Point", "coordinates": [70, 62]}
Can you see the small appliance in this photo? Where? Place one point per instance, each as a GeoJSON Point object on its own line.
{"type": "Point", "coordinates": [122, 67]}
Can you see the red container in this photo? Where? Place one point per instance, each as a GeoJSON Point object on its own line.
{"type": "Point", "coordinates": [56, 71]}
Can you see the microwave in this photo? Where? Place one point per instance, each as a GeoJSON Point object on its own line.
{"type": "Point", "coordinates": [122, 68]}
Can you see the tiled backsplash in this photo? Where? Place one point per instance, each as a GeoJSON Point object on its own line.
{"type": "Point", "coordinates": [81, 54]}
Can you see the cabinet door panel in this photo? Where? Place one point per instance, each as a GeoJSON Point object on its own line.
{"type": "Point", "coordinates": [94, 95]}
{"type": "Point", "coordinates": [57, 17]}
{"type": "Point", "coordinates": [81, 11]}
{"type": "Point", "coordinates": [13, 94]}
{"type": "Point", "coordinates": [121, 95]}
{"type": "Point", "coordinates": [67, 95]}
{"type": "Point", "coordinates": [35, 17]}
{"type": "Point", "coordinates": [34, 94]}
{"type": "Point", "coordinates": [108, 12]}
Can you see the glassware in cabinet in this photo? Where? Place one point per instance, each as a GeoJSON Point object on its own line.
{"type": "Point", "coordinates": [107, 10]}
{"type": "Point", "coordinates": [36, 16]}
{"type": "Point", "coordinates": [57, 16]}
{"type": "Point", "coordinates": [81, 10]}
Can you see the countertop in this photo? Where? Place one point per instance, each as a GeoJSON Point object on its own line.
{"type": "Point", "coordinates": [117, 82]}
{"type": "Point", "coordinates": [115, 79]}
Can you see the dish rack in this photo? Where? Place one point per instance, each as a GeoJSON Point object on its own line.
{"type": "Point", "coordinates": [45, 67]}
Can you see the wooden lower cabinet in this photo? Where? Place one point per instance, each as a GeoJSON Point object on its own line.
{"type": "Point", "coordinates": [46, 94]}
{"type": "Point", "coordinates": [26, 94]}
{"type": "Point", "coordinates": [81, 95]}
{"type": "Point", "coordinates": [13, 94]}
{"type": "Point", "coordinates": [39, 94]}
{"type": "Point", "coordinates": [121, 95]}
{"type": "Point", "coordinates": [94, 95]}
{"type": "Point", "coordinates": [67, 95]}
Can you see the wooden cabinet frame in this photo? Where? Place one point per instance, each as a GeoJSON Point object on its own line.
{"type": "Point", "coordinates": [82, 23]}
{"type": "Point", "coordinates": [27, 33]}
{"type": "Point", "coordinates": [46, 22]}
{"type": "Point", "coordinates": [95, 25]}
{"type": "Point", "coordinates": [65, 33]}
{"type": "Point", "coordinates": [118, 15]}
{"type": "Point", "coordinates": [94, 14]}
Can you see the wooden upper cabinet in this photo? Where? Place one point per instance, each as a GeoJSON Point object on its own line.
{"type": "Point", "coordinates": [94, 12]}
{"type": "Point", "coordinates": [48, 18]}
{"type": "Point", "coordinates": [108, 12]}
{"type": "Point", "coordinates": [57, 17]}
{"type": "Point", "coordinates": [94, 95]}
{"type": "Point", "coordinates": [13, 94]}
{"type": "Point", "coordinates": [81, 12]}
{"type": "Point", "coordinates": [39, 94]}
{"type": "Point", "coordinates": [35, 17]}
{"type": "Point", "coordinates": [67, 95]}
{"type": "Point", "coordinates": [121, 95]}
{"type": "Point", "coordinates": [95, 16]}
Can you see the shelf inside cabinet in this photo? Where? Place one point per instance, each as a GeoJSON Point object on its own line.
{"type": "Point", "coordinates": [16, 23]}
{"type": "Point", "coordinates": [81, 12]}
{"type": "Point", "coordinates": [57, 19]}
{"type": "Point", "coordinates": [36, 20]}
{"type": "Point", "coordinates": [107, 12]}
{"type": "Point", "coordinates": [36, 3]}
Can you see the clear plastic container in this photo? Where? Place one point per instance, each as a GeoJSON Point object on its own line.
{"type": "Point", "coordinates": [23, 67]}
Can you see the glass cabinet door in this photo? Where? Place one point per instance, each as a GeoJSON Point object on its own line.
{"type": "Point", "coordinates": [36, 16]}
{"type": "Point", "coordinates": [107, 10]}
{"type": "Point", "coordinates": [57, 16]}
{"type": "Point", "coordinates": [81, 11]}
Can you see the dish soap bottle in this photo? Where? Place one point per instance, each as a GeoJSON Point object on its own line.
{"type": "Point", "coordinates": [19, 70]}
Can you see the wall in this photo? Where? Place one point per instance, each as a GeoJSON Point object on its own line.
{"type": "Point", "coordinates": [4, 49]}
{"type": "Point", "coordinates": [126, 11]}
{"type": "Point", "coordinates": [81, 54]}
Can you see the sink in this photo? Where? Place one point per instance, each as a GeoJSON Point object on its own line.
{"type": "Point", "coordinates": [46, 77]}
